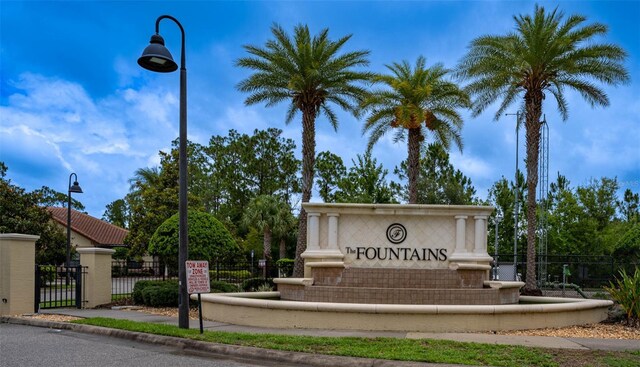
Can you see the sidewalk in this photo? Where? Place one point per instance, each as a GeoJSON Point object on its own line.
{"type": "Point", "coordinates": [529, 341]}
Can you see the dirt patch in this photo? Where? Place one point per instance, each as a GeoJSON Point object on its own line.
{"type": "Point", "coordinates": [599, 331]}
{"type": "Point", "coordinates": [50, 317]}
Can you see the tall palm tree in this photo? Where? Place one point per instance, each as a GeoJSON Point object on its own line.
{"type": "Point", "coordinates": [543, 56]}
{"type": "Point", "coordinates": [147, 176]}
{"type": "Point", "coordinates": [285, 223]}
{"type": "Point", "coordinates": [310, 74]}
{"type": "Point", "coordinates": [415, 102]}
{"type": "Point", "coordinates": [262, 213]}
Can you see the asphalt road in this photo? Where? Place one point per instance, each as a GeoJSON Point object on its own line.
{"type": "Point", "coordinates": [22, 346]}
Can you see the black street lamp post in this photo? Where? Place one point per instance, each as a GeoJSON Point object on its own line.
{"type": "Point", "coordinates": [156, 57]}
{"type": "Point", "coordinates": [72, 188]}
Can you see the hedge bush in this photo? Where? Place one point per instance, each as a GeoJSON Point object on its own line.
{"type": "Point", "coordinates": [140, 286]}
{"type": "Point", "coordinates": [223, 287]}
{"type": "Point", "coordinates": [252, 284]}
{"type": "Point", "coordinates": [165, 295]}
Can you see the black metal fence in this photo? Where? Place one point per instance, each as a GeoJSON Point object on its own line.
{"type": "Point", "coordinates": [59, 286]}
{"type": "Point", "coordinates": [582, 270]}
{"type": "Point", "coordinates": [125, 274]}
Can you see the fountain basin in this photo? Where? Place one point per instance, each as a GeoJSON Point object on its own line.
{"type": "Point", "coordinates": [264, 309]}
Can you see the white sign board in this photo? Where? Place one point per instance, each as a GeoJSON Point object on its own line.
{"type": "Point", "coordinates": [198, 277]}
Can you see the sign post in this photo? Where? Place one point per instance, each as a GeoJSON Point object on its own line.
{"type": "Point", "coordinates": [198, 282]}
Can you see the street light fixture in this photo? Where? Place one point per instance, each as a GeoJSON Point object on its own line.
{"type": "Point", "coordinates": [78, 190]}
{"type": "Point", "coordinates": [156, 57]}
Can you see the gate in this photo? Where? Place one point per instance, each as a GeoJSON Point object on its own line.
{"type": "Point", "coordinates": [59, 286]}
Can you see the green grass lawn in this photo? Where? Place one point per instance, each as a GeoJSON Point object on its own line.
{"type": "Point", "coordinates": [420, 350]}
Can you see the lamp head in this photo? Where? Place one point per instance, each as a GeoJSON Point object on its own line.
{"type": "Point", "coordinates": [75, 188]}
{"type": "Point", "coordinates": [156, 57]}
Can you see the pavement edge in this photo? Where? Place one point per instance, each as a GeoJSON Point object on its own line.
{"type": "Point", "coordinates": [221, 350]}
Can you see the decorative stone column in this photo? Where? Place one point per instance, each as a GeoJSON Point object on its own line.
{"type": "Point", "coordinates": [313, 231]}
{"type": "Point", "coordinates": [17, 273]}
{"type": "Point", "coordinates": [461, 231]}
{"type": "Point", "coordinates": [462, 258]}
{"type": "Point", "coordinates": [480, 240]}
{"type": "Point", "coordinates": [332, 235]}
{"type": "Point", "coordinates": [97, 282]}
{"type": "Point", "coordinates": [316, 252]}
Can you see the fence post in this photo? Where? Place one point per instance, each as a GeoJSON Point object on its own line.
{"type": "Point", "coordinates": [17, 259]}
{"type": "Point", "coordinates": [79, 286]}
{"type": "Point", "coordinates": [97, 284]}
{"type": "Point", "coordinates": [36, 294]}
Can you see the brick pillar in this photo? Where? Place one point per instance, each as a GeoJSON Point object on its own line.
{"type": "Point", "coordinates": [97, 282]}
{"type": "Point", "coordinates": [17, 273]}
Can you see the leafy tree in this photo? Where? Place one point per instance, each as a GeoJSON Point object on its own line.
{"type": "Point", "coordinates": [628, 245]}
{"type": "Point", "coordinates": [571, 229]}
{"type": "Point", "coordinates": [544, 55]}
{"type": "Point", "coordinates": [502, 197]}
{"type": "Point", "coordinates": [329, 171]}
{"type": "Point", "coordinates": [365, 183]}
{"type": "Point", "coordinates": [118, 213]}
{"type": "Point", "coordinates": [208, 239]}
{"type": "Point", "coordinates": [438, 181]}
{"type": "Point", "coordinates": [21, 212]}
{"type": "Point", "coordinates": [598, 199]}
{"type": "Point", "coordinates": [416, 102]}
{"type": "Point", "coordinates": [245, 166]}
{"type": "Point", "coordinates": [49, 197]}
{"type": "Point", "coordinates": [154, 198]}
{"type": "Point", "coordinates": [629, 206]}
{"type": "Point", "coordinates": [309, 73]}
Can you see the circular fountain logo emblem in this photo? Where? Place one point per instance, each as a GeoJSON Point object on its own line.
{"type": "Point", "coordinates": [396, 233]}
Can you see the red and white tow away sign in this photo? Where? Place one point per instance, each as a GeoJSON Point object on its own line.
{"type": "Point", "coordinates": [198, 277]}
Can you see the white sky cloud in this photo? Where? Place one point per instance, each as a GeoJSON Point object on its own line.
{"type": "Point", "coordinates": [96, 112]}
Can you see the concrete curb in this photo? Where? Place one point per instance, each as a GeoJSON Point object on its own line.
{"type": "Point", "coordinates": [213, 349]}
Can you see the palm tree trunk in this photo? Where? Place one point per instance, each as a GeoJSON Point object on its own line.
{"type": "Point", "coordinates": [266, 249]}
{"type": "Point", "coordinates": [308, 160]}
{"type": "Point", "coordinates": [413, 164]}
{"type": "Point", "coordinates": [533, 105]}
{"type": "Point", "coordinates": [283, 249]}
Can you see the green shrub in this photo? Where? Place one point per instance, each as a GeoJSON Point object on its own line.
{"type": "Point", "coordinates": [141, 285]}
{"type": "Point", "coordinates": [223, 287]}
{"type": "Point", "coordinates": [47, 274]}
{"type": "Point", "coordinates": [122, 253]}
{"type": "Point", "coordinates": [626, 291]}
{"type": "Point", "coordinates": [285, 267]}
{"type": "Point", "coordinates": [164, 295]}
{"type": "Point", "coordinates": [253, 284]}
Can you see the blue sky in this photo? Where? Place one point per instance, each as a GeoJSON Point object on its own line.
{"type": "Point", "coordinates": [73, 99]}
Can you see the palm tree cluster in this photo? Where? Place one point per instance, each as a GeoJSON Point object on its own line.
{"type": "Point", "coordinates": [544, 54]}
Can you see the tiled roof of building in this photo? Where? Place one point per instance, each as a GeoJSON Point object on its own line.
{"type": "Point", "coordinates": [98, 231]}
